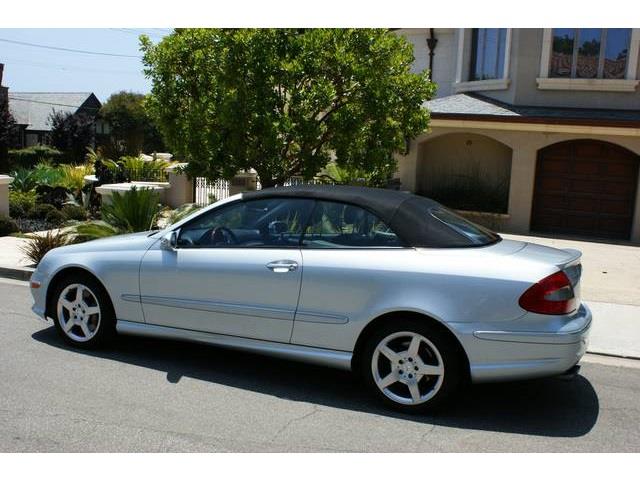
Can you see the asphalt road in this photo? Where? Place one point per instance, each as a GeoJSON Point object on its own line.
{"type": "Point", "coordinates": [151, 395]}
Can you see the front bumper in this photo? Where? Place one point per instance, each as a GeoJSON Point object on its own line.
{"type": "Point", "coordinates": [39, 295]}
{"type": "Point", "coordinates": [531, 347]}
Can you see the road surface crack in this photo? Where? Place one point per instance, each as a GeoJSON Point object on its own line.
{"type": "Point", "coordinates": [294, 420]}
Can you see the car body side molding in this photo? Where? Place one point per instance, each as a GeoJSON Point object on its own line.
{"type": "Point", "coordinates": [319, 356]}
{"type": "Point", "coordinates": [315, 317]}
{"type": "Point", "coordinates": [219, 307]}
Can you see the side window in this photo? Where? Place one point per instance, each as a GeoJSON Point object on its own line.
{"type": "Point", "coordinates": [273, 222]}
{"type": "Point", "coordinates": [339, 225]}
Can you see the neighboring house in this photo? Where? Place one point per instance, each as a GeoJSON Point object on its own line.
{"type": "Point", "coordinates": [32, 112]}
{"type": "Point", "coordinates": [539, 126]}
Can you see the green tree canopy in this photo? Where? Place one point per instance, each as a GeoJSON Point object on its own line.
{"type": "Point", "coordinates": [285, 101]}
{"type": "Point", "coordinates": [132, 129]}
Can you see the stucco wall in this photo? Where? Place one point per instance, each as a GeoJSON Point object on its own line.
{"type": "Point", "coordinates": [444, 58]}
{"type": "Point", "coordinates": [524, 69]}
{"type": "Point", "coordinates": [528, 52]}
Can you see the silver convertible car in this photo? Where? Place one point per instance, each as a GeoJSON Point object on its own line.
{"type": "Point", "coordinates": [393, 286]}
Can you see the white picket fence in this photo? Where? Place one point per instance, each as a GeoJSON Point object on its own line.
{"type": "Point", "coordinates": [209, 191]}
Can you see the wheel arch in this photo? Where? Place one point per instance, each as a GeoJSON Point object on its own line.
{"type": "Point", "coordinates": [65, 272]}
{"type": "Point", "coordinates": [389, 317]}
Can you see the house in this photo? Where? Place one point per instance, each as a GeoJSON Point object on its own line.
{"type": "Point", "coordinates": [32, 112]}
{"type": "Point", "coordinates": [538, 128]}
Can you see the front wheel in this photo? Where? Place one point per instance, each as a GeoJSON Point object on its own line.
{"type": "Point", "coordinates": [412, 366]}
{"type": "Point", "coordinates": [82, 311]}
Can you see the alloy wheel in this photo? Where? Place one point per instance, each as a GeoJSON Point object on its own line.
{"type": "Point", "coordinates": [78, 312]}
{"type": "Point", "coordinates": [407, 368]}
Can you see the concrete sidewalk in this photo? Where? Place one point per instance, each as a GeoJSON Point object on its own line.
{"type": "Point", "coordinates": [615, 329]}
{"type": "Point", "coordinates": [13, 264]}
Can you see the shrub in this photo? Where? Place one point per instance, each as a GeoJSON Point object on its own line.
{"type": "Point", "coordinates": [55, 217]}
{"type": "Point", "coordinates": [38, 245]}
{"type": "Point", "coordinates": [7, 226]}
{"type": "Point", "coordinates": [30, 156]}
{"type": "Point", "coordinates": [56, 196]}
{"type": "Point", "coordinates": [72, 177]}
{"type": "Point", "coordinates": [24, 180]}
{"type": "Point", "coordinates": [47, 174]}
{"type": "Point", "coordinates": [74, 212]}
{"type": "Point", "coordinates": [109, 171]}
{"type": "Point", "coordinates": [41, 210]}
{"type": "Point", "coordinates": [472, 194]}
{"type": "Point", "coordinates": [21, 202]}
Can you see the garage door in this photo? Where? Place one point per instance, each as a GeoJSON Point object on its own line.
{"type": "Point", "coordinates": [585, 188]}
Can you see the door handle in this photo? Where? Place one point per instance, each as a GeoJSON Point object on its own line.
{"type": "Point", "coordinates": [282, 266]}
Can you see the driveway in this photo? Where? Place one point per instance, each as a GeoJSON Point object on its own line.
{"type": "Point", "coordinates": [611, 272]}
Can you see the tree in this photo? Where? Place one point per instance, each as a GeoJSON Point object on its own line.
{"type": "Point", "coordinates": [72, 133]}
{"type": "Point", "coordinates": [132, 129]}
{"type": "Point", "coordinates": [285, 101]}
{"type": "Point", "coordinates": [8, 134]}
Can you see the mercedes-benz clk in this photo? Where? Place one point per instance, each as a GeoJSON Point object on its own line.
{"type": "Point", "coordinates": [395, 287]}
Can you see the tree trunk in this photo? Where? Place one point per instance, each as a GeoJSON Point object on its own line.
{"type": "Point", "coordinates": [4, 159]}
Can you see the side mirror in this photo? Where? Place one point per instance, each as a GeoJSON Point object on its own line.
{"type": "Point", "coordinates": [169, 241]}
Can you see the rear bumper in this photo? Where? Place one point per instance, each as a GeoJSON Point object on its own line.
{"type": "Point", "coordinates": [522, 352]}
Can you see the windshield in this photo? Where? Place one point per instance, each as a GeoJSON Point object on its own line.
{"type": "Point", "coordinates": [476, 234]}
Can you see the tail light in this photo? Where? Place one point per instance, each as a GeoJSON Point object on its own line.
{"type": "Point", "coordinates": [553, 295]}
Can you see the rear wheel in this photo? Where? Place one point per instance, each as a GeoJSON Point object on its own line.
{"type": "Point", "coordinates": [411, 366]}
{"type": "Point", "coordinates": [82, 311]}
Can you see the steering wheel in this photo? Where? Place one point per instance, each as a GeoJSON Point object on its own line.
{"type": "Point", "coordinates": [216, 235]}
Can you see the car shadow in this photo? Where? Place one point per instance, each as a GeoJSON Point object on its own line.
{"type": "Point", "coordinates": [552, 407]}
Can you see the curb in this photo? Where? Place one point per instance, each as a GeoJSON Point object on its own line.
{"type": "Point", "coordinates": [614, 355]}
{"type": "Point", "coordinates": [16, 273]}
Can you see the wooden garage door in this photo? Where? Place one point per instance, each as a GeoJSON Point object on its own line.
{"type": "Point", "coordinates": [585, 188]}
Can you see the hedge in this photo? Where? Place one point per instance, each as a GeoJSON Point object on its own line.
{"type": "Point", "coordinates": [31, 156]}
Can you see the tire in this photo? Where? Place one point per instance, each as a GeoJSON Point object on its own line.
{"type": "Point", "coordinates": [87, 321]}
{"type": "Point", "coordinates": [392, 372]}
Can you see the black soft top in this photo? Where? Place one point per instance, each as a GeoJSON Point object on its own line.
{"type": "Point", "coordinates": [408, 215]}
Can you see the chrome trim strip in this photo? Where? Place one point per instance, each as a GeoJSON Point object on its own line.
{"type": "Point", "coordinates": [313, 317]}
{"type": "Point", "coordinates": [229, 308]}
{"type": "Point", "coordinates": [561, 338]}
{"type": "Point", "coordinates": [319, 356]}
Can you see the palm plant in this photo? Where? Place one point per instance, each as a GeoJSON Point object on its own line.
{"type": "Point", "coordinates": [133, 211]}
{"type": "Point", "coordinates": [140, 170]}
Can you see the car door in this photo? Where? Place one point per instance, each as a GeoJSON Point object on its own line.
{"type": "Point", "coordinates": [236, 270]}
{"type": "Point", "coordinates": [349, 258]}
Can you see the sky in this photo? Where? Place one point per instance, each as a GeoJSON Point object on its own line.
{"type": "Point", "coordinates": [37, 69]}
